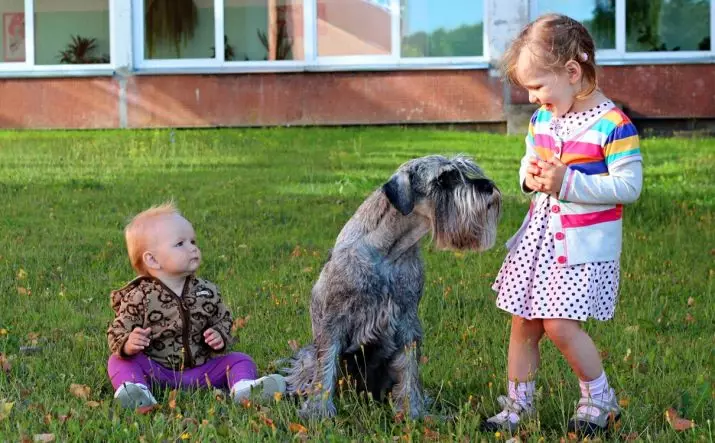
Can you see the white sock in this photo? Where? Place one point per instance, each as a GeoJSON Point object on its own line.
{"type": "Point", "coordinates": [597, 389]}
{"type": "Point", "coordinates": [523, 393]}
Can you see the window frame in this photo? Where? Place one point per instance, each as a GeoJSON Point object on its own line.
{"type": "Point", "coordinates": [620, 56]}
{"type": "Point", "coordinates": [29, 68]}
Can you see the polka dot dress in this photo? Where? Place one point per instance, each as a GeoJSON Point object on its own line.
{"type": "Point", "coordinates": [530, 283]}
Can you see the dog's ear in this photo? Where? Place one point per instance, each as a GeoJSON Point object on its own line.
{"type": "Point", "coordinates": [399, 191]}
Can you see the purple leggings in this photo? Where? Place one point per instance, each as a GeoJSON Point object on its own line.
{"type": "Point", "coordinates": [222, 371]}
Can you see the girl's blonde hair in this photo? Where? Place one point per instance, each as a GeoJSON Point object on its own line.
{"type": "Point", "coordinates": [554, 39]}
{"type": "Point", "coordinates": [136, 233]}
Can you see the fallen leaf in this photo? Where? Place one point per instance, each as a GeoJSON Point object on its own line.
{"type": "Point", "coordinates": [23, 291]}
{"type": "Point", "coordinates": [293, 345]}
{"type": "Point", "coordinates": [4, 364]}
{"type": "Point", "coordinates": [33, 337]}
{"type": "Point", "coordinates": [268, 422]}
{"type": "Point", "coordinates": [633, 436]}
{"type": "Point", "coordinates": [3, 332]}
{"type": "Point", "coordinates": [297, 428]}
{"type": "Point", "coordinates": [80, 391]}
{"type": "Point", "coordinates": [144, 410]}
{"type": "Point", "coordinates": [691, 301]}
{"type": "Point", "coordinates": [430, 434]}
{"type": "Point", "coordinates": [47, 419]}
{"type": "Point", "coordinates": [240, 323]}
{"type": "Point", "coordinates": [689, 318]}
{"type": "Point", "coordinates": [296, 251]}
{"type": "Point", "coordinates": [93, 404]}
{"type": "Point", "coordinates": [424, 359]}
{"type": "Point", "coordinates": [399, 417]}
{"type": "Point", "coordinates": [307, 270]}
{"type": "Point", "coordinates": [21, 274]}
{"type": "Point", "coordinates": [624, 402]}
{"type": "Point", "coordinates": [677, 422]}
{"type": "Point", "coordinates": [172, 399]}
{"type": "Point", "coordinates": [5, 408]}
{"type": "Point", "coordinates": [572, 436]}
{"type": "Point", "coordinates": [44, 437]}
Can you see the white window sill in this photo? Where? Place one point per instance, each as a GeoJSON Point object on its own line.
{"type": "Point", "coordinates": [176, 67]}
{"type": "Point", "coordinates": [56, 71]}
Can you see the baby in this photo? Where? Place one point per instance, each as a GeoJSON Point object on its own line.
{"type": "Point", "coordinates": [170, 327]}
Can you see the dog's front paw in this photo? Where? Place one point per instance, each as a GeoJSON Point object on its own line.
{"type": "Point", "coordinates": [316, 408]}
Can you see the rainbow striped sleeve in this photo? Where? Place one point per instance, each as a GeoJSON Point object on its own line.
{"type": "Point", "coordinates": [622, 142]}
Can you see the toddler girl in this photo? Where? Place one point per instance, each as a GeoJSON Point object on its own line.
{"type": "Point", "coordinates": [582, 164]}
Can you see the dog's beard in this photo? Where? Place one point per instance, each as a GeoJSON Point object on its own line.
{"type": "Point", "coordinates": [466, 219]}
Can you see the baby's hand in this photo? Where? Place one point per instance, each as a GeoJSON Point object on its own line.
{"type": "Point", "coordinates": [138, 341]}
{"type": "Point", "coordinates": [213, 339]}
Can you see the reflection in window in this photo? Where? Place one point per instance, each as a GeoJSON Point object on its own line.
{"type": "Point", "coordinates": [263, 30]}
{"type": "Point", "coordinates": [12, 13]}
{"type": "Point", "coordinates": [71, 31]}
{"type": "Point", "coordinates": [598, 16]}
{"type": "Point", "coordinates": [354, 27]}
{"type": "Point", "coordinates": [668, 25]}
{"type": "Point", "coordinates": [442, 28]}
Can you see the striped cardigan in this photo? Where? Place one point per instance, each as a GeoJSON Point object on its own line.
{"type": "Point", "coordinates": [604, 172]}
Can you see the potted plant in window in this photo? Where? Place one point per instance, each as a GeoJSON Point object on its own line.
{"type": "Point", "coordinates": [81, 51]}
{"type": "Point", "coordinates": [169, 21]}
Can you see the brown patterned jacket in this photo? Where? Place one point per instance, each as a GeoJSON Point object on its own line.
{"type": "Point", "coordinates": [177, 323]}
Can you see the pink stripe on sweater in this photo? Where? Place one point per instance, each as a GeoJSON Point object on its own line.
{"type": "Point", "coordinates": [588, 149]}
{"type": "Point", "coordinates": [577, 221]}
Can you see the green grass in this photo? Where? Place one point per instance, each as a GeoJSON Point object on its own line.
{"type": "Point", "coordinates": [267, 204]}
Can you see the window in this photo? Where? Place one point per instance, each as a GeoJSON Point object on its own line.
{"type": "Point", "coordinates": [642, 29]}
{"type": "Point", "coordinates": [263, 30]}
{"type": "Point", "coordinates": [668, 25]}
{"type": "Point", "coordinates": [71, 32]}
{"type": "Point", "coordinates": [442, 28]}
{"type": "Point", "coordinates": [599, 17]}
{"type": "Point", "coordinates": [178, 29]}
{"type": "Point", "coordinates": [296, 34]}
{"type": "Point", "coordinates": [39, 35]}
{"type": "Point", "coordinates": [354, 27]}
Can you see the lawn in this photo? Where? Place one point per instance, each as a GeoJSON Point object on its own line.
{"type": "Point", "coordinates": [267, 205]}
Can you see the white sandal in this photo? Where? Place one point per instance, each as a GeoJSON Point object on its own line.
{"type": "Point", "coordinates": [587, 425]}
{"type": "Point", "coordinates": [501, 422]}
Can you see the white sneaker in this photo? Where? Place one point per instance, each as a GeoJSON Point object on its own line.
{"type": "Point", "coordinates": [134, 395]}
{"type": "Point", "coordinates": [270, 384]}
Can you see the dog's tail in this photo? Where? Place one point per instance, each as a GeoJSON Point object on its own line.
{"type": "Point", "coordinates": [298, 370]}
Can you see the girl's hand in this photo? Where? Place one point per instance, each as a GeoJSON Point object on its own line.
{"type": "Point", "coordinates": [531, 171]}
{"type": "Point", "coordinates": [550, 175]}
{"type": "Point", "coordinates": [138, 341]}
{"type": "Point", "coordinates": [213, 339]}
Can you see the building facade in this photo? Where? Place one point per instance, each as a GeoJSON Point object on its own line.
{"type": "Point", "coordinates": [204, 63]}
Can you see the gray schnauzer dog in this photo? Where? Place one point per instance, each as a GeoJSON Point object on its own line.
{"type": "Point", "coordinates": [364, 304]}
